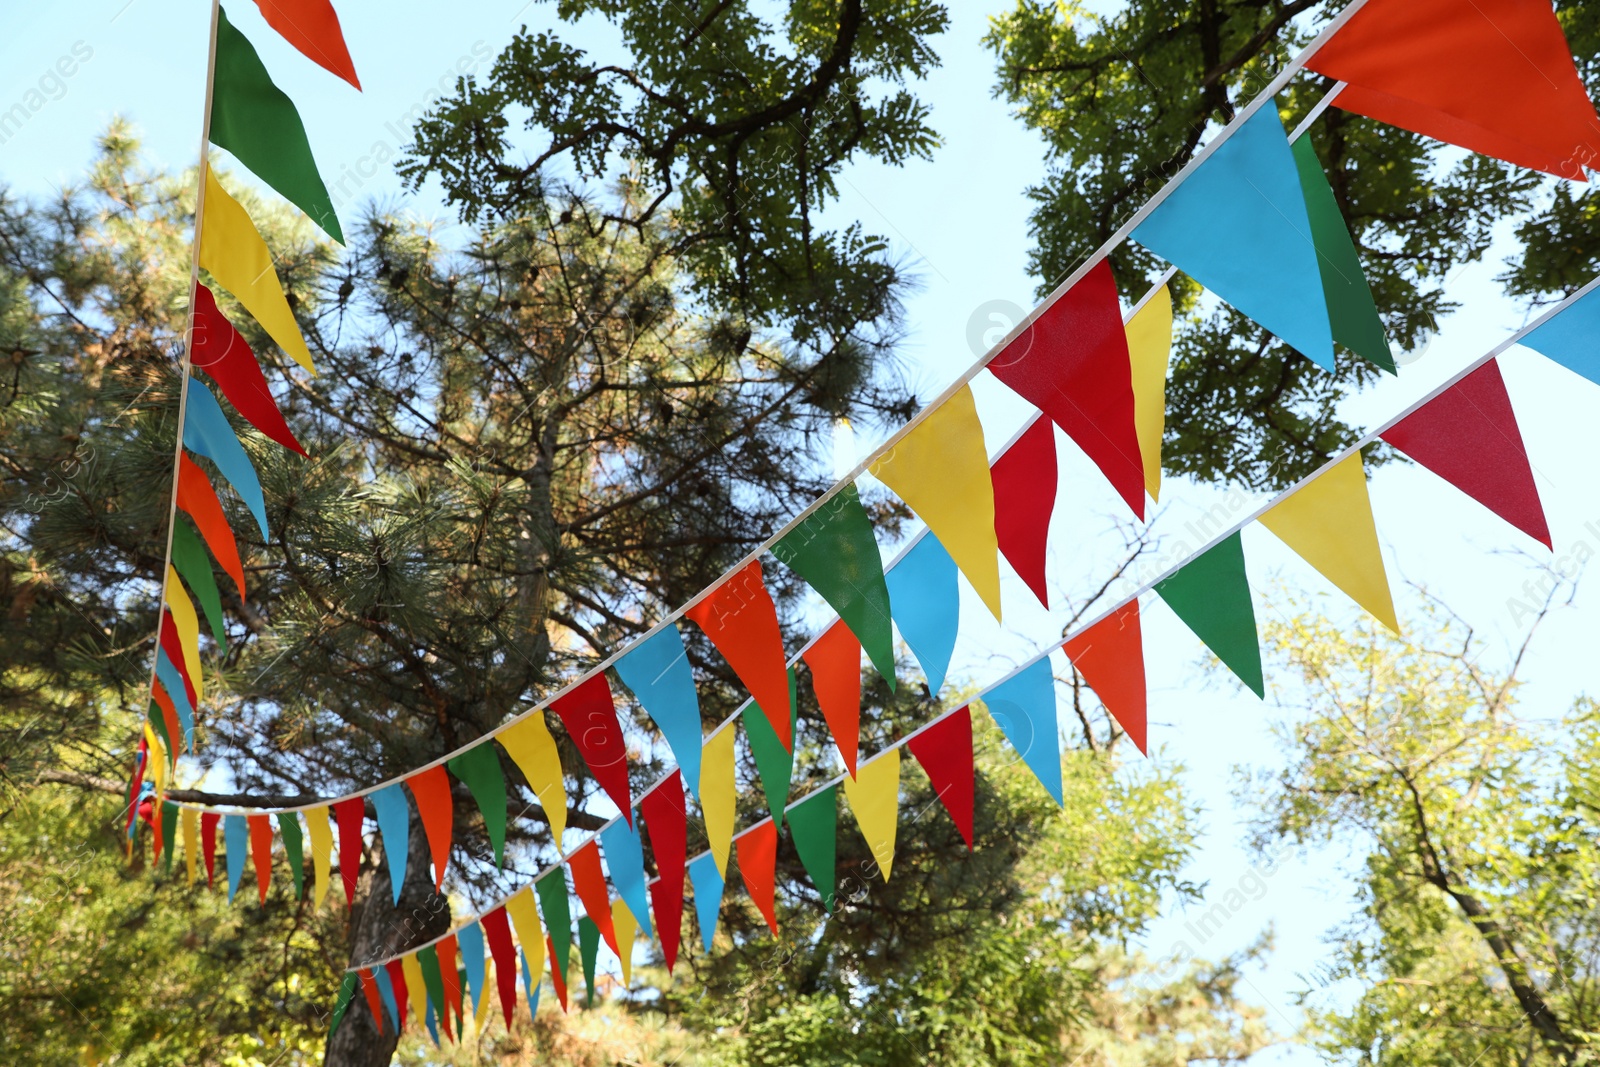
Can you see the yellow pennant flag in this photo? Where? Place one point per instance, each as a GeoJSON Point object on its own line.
{"type": "Point", "coordinates": [718, 794]}
{"type": "Point", "coordinates": [189, 820]}
{"type": "Point", "coordinates": [529, 744]}
{"type": "Point", "coordinates": [231, 248]}
{"type": "Point", "coordinates": [188, 625]}
{"type": "Point", "coordinates": [321, 834]}
{"type": "Point", "coordinates": [1329, 525]}
{"type": "Point", "coordinates": [941, 470]}
{"type": "Point", "coordinates": [157, 761]}
{"type": "Point", "coordinates": [524, 914]}
{"type": "Point", "coordinates": [481, 1016]}
{"type": "Point", "coordinates": [1150, 347]}
{"type": "Point", "coordinates": [874, 797]}
{"type": "Point", "coordinates": [626, 926]}
{"type": "Point", "coordinates": [415, 988]}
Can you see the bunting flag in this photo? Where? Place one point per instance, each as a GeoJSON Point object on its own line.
{"type": "Point", "coordinates": [1110, 656]}
{"type": "Point", "coordinates": [834, 550]}
{"type": "Point", "coordinates": [1024, 479]}
{"type": "Point", "coordinates": [497, 931]}
{"type": "Point", "coordinates": [430, 788]}
{"type": "Point", "coordinates": [835, 662]}
{"type": "Point", "coordinates": [558, 975]}
{"type": "Point", "coordinates": [627, 928]}
{"type": "Point", "coordinates": [261, 852]}
{"type": "Point", "coordinates": [534, 751]}
{"type": "Point", "coordinates": [530, 932]}
{"type": "Point", "coordinates": [221, 352]}
{"type": "Point", "coordinates": [447, 949]}
{"type": "Point", "coordinates": [740, 620]}
{"type": "Point", "coordinates": [1072, 364]}
{"type": "Point", "coordinates": [774, 760]}
{"type": "Point", "coordinates": [187, 624]}
{"type": "Point", "coordinates": [289, 830]}
{"type": "Point", "coordinates": [927, 600]}
{"type": "Point", "coordinates": [1149, 350]}
{"type": "Point", "coordinates": [625, 860]}
{"type": "Point", "coordinates": [588, 951]}
{"type": "Point", "coordinates": [1328, 522]}
{"type": "Point", "coordinates": [347, 993]}
{"type": "Point", "coordinates": [941, 471]}
{"type": "Point", "coordinates": [1568, 337]}
{"type": "Point", "coordinates": [719, 794]}
{"type": "Point", "coordinates": [589, 712]}
{"type": "Point", "coordinates": [235, 838]}
{"type": "Point", "coordinates": [666, 820]}
{"type": "Point", "coordinates": [552, 891]}
{"type": "Point", "coordinates": [530, 985]}
{"type": "Point", "coordinates": [705, 876]}
{"type": "Point", "coordinates": [395, 972]}
{"type": "Point", "coordinates": [469, 939]}
{"type": "Point", "coordinates": [1468, 435]}
{"type": "Point", "coordinates": [321, 834]}
{"type": "Point", "coordinates": [199, 501]}
{"type": "Point", "coordinates": [167, 673]}
{"type": "Point", "coordinates": [944, 748]}
{"type": "Point", "coordinates": [394, 827]}
{"type": "Point", "coordinates": [416, 985]}
{"type": "Point", "coordinates": [1211, 594]}
{"type": "Point", "coordinates": [191, 844]}
{"type": "Point", "coordinates": [814, 825]}
{"type": "Point", "coordinates": [1238, 225]}
{"type": "Point", "coordinates": [312, 27]}
{"type": "Point", "coordinates": [433, 980]}
{"type": "Point", "coordinates": [657, 672]}
{"type": "Point", "coordinates": [172, 648]}
{"type": "Point", "coordinates": [392, 1005]}
{"type": "Point", "coordinates": [479, 768]}
{"type": "Point", "coordinates": [208, 844]}
{"type": "Point", "coordinates": [874, 797]}
{"type": "Point", "coordinates": [1025, 707]}
{"type": "Point", "coordinates": [369, 988]}
{"type": "Point", "coordinates": [206, 432]}
{"type": "Point", "coordinates": [169, 835]}
{"type": "Point", "coordinates": [189, 560]}
{"type": "Point", "coordinates": [758, 861]}
{"type": "Point", "coordinates": [168, 719]}
{"type": "Point", "coordinates": [1492, 76]}
{"type": "Point", "coordinates": [351, 814]}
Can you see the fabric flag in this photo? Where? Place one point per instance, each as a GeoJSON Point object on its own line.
{"type": "Point", "coordinates": [558, 975]}
{"type": "Point", "coordinates": [395, 972]}
{"type": "Point", "coordinates": [172, 652]}
{"type": "Point", "coordinates": [530, 746]}
{"type": "Point", "coordinates": [416, 985]}
{"type": "Point", "coordinates": [321, 834]}
{"type": "Point", "coordinates": [666, 820]}
{"type": "Point", "coordinates": [206, 432]}
{"type": "Point", "coordinates": [552, 890]}
{"type": "Point", "coordinates": [530, 987]}
{"type": "Point", "coordinates": [1351, 311]}
{"type": "Point", "coordinates": [208, 843]}
{"type": "Point", "coordinates": [431, 790]}
{"type": "Point", "coordinates": [481, 1013]}
{"type": "Point", "coordinates": [169, 834]}
{"type": "Point", "coordinates": [588, 952]}
{"type": "Point", "coordinates": [707, 882]}
{"type": "Point", "coordinates": [927, 606]}
{"type": "Point", "coordinates": [189, 560]}
{"type": "Point", "coordinates": [718, 794]}
{"type": "Point", "coordinates": [1568, 336]}
{"type": "Point", "coordinates": [261, 852]}
{"type": "Point", "coordinates": [386, 992]}
{"type": "Point", "coordinates": [470, 940]}
{"type": "Point", "coordinates": [740, 620]}
{"type": "Point", "coordinates": [479, 768]}
{"type": "Point", "coordinates": [874, 797]}
{"type": "Point", "coordinates": [1149, 349]}
{"type": "Point", "coordinates": [1110, 656]}
{"type": "Point", "coordinates": [191, 842]}
{"type": "Point", "coordinates": [530, 931]}
{"type": "Point", "coordinates": [625, 860]}
{"type": "Point", "coordinates": [1493, 76]}
{"type": "Point", "coordinates": [941, 471]}
{"type": "Point", "coordinates": [232, 250]}
{"type": "Point", "coordinates": [188, 626]}
{"type": "Point", "coordinates": [657, 672]}
{"type": "Point", "coordinates": [944, 748]}
{"type": "Point", "coordinates": [199, 501]}
{"type": "Point", "coordinates": [235, 838]}
{"type": "Point", "coordinates": [1468, 435]}
{"type": "Point", "coordinates": [293, 848]}
{"type": "Point", "coordinates": [1328, 523]}
{"type": "Point", "coordinates": [497, 931]}
{"type": "Point", "coordinates": [222, 353]}
{"type": "Point", "coordinates": [589, 882]}
{"type": "Point", "coordinates": [774, 761]}
{"type": "Point", "coordinates": [347, 993]}
{"type": "Point", "coordinates": [835, 551]}
{"type": "Point", "coordinates": [1072, 364]}
{"type": "Point", "coordinates": [312, 27]}
{"type": "Point", "coordinates": [1025, 707]}
{"type": "Point", "coordinates": [1024, 479]}
{"type": "Point", "coordinates": [394, 827]}
{"type": "Point", "coordinates": [351, 814]}
{"type": "Point", "coordinates": [627, 928]}
{"type": "Point", "coordinates": [448, 951]}
{"type": "Point", "coordinates": [252, 118]}
{"type": "Point", "coordinates": [835, 662]}
{"type": "Point", "coordinates": [814, 825]}
{"type": "Point", "coordinates": [589, 712]}
{"type": "Point", "coordinates": [172, 681]}
{"type": "Point", "coordinates": [433, 980]}
{"type": "Point", "coordinates": [758, 860]}
{"type": "Point", "coordinates": [369, 989]}
{"type": "Point", "coordinates": [1238, 225]}
{"type": "Point", "coordinates": [1211, 594]}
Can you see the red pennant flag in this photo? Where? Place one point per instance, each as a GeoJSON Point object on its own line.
{"type": "Point", "coordinates": [261, 851]}
{"type": "Point", "coordinates": [497, 931]}
{"type": "Point", "coordinates": [208, 843]}
{"type": "Point", "coordinates": [558, 978]}
{"type": "Point", "coordinates": [1024, 496]}
{"type": "Point", "coordinates": [835, 662]}
{"type": "Point", "coordinates": [589, 713]}
{"type": "Point", "coordinates": [397, 982]}
{"type": "Point", "coordinates": [369, 986]}
{"type": "Point", "coordinates": [174, 650]}
{"type": "Point", "coordinates": [1493, 76]}
{"type": "Point", "coordinates": [452, 976]}
{"type": "Point", "coordinates": [1110, 656]}
{"type": "Point", "coordinates": [1072, 364]}
{"type": "Point", "coordinates": [350, 815]}
{"type": "Point", "coordinates": [741, 621]}
{"type": "Point", "coordinates": [666, 821]}
{"type": "Point", "coordinates": [944, 748]}
{"type": "Point", "coordinates": [199, 501]}
{"type": "Point", "coordinates": [589, 881]}
{"type": "Point", "coordinates": [758, 863]}
{"type": "Point", "coordinates": [157, 837]}
{"type": "Point", "coordinates": [431, 789]}
{"type": "Point", "coordinates": [1468, 436]}
{"type": "Point", "coordinates": [312, 27]}
{"type": "Point", "coordinates": [221, 352]}
{"type": "Point", "coordinates": [135, 783]}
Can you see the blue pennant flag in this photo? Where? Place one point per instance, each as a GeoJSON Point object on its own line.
{"type": "Point", "coordinates": [707, 882]}
{"type": "Point", "coordinates": [469, 939]}
{"type": "Point", "coordinates": [394, 823]}
{"type": "Point", "coordinates": [625, 859]}
{"type": "Point", "coordinates": [925, 601]}
{"type": "Point", "coordinates": [1025, 708]}
{"type": "Point", "coordinates": [235, 838]}
{"type": "Point", "coordinates": [658, 674]}
{"type": "Point", "coordinates": [1571, 336]}
{"type": "Point", "coordinates": [206, 431]}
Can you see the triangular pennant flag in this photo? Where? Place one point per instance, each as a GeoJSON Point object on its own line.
{"type": "Point", "coordinates": [589, 951]}
{"type": "Point", "coordinates": [758, 860]}
{"type": "Point", "coordinates": [351, 814]}
{"type": "Point", "coordinates": [171, 678]}
{"type": "Point", "coordinates": [589, 712]}
{"type": "Point", "coordinates": [253, 119]}
{"type": "Point", "coordinates": [530, 932]}
{"type": "Point", "coordinates": [312, 27]}
{"type": "Point", "coordinates": [166, 724]}
{"type": "Point", "coordinates": [718, 793]}
{"type": "Point", "coordinates": [927, 606]}
{"type": "Point", "coordinates": [589, 882]}
{"type": "Point", "coordinates": [1328, 523]}
{"type": "Point", "coordinates": [558, 975]}
{"type": "Point", "coordinates": [235, 839]}
{"type": "Point", "coordinates": [940, 469]}
{"type": "Point", "coordinates": [447, 949]}
{"type": "Point", "coordinates": [386, 993]}
{"type": "Point", "coordinates": [530, 986]}
{"type": "Point", "coordinates": [433, 979]}
{"type": "Point", "coordinates": [1211, 594]}
{"type": "Point", "coordinates": [169, 835]}
{"type": "Point", "coordinates": [1238, 225]}
{"type": "Point", "coordinates": [289, 830]}
{"type": "Point", "coordinates": [223, 354]}
{"type": "Point", "coordinates": [394, 827]}
{"type": "Point", "coordinates": [190, 561]}
{"type": "Point", "coordinates": [1149, 350]}
{"type": "Point", "coordinates": [238, 259]}
{"type": "Point", "coordinates": [1568, 336]}
{"type": "Point", "coordinates": [199, 501]}
{"type": "Point", "coordinates": [347, 993]}
{"type": "Point", "coordinates": [416, 985]}
{"type": "Point", "coordinates": [369, 988]}
{"type": "Point", "coordinates": [431, 790]}
{"type": "Point", "coordinates": [1072, 364]}
{"type": "Point", "coordinates": [742, 622]}
{"type": "Point", "coordinates": [944, 748]}
{"type": "Point", "coordinates": [530, 746]}
{"type": "Point", "coordinates": [552, 890]}
{"type": "Point", "coordinates": [479, 768]}
{"type": "Point", "coordinates": [1110, 656]}
{"type": "Point", "coordinates": [835, 662]}
{"type": "Point", "coordinates": [625, 860]}
{"type": "Point", "coordinates": [666, 820]}
{"type": "Point", "coordinates": [657, 672]}
{"type": "Point", "coordinates": [395, 971]}
{"type": "Point", "coordinates": [469, 939]}
{"type": "Point", "coordinates": [321, 833]}
{"type": "Point", "coordinates": [191, 844]}
{"type": "Point", "coordinates": [874, 796]}
{"type": "Point", "coordinates": [1468, 435]}
{"type": "Point", "coordinates": [1493, 76]}
{"type": "Point", "coordinates": [708, 884]}
{"type": "Point", "coordinates": [814, 825]}
{"type": "Point", "coordinates": [206, 432]}
{"type": "Point", "coordinates": [1025, 707]}
{"type": "Point", "coordinates": [208, 844]}
{"type": "Point", "coordinates": [627, 928]}
{"type": "Point", "coordinates": [497, 931]}
{"type": "Point", "coordinates": [774, 761]}
{"type": "Point", "coordinates": [187, 623]}
{"type": "Point", "coordinates": [834, 550]}
{"type": "Point", "coordinates": [1024, 479]}
{"type": "Point", "coordinates": [1351, 311]}
{"type": "Point", "coordinates": [172, 646]}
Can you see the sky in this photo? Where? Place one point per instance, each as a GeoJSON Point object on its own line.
{"type": "Point", "coordinates": [960, 223]}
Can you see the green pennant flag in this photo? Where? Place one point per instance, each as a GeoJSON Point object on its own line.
{"type": "Point", "coordinates": [814, 825]}
{"type": "Point", "coordinates": [552, 891]}
{"type": "Point", "coordinates": [834, 550]}
{"type": "Point", "coordinates": [289, 830]}
{"type": "Point", "coordinates": [1351, 310]}
{"type": "Point", "coordinates": [158, 722]}
{"type": "Point", "coordinates": [433, 979]}
{"type": "Point", "coordinates": [347, 992]}
{"type": "Point", "coordinates": [479, 767]}
{"type": "Point", "coordinates": [189, 559]}
{"type": "Point", "coordinates": [253, 119]}
{"type": "Point", "coordinates": [773, 761]}
{"type": "Point", "coordinates": [1211, 594]}
{"type": "Point", "coordinates": [588, 948]}
{"type": "Point", "coordinates": [169, 833]}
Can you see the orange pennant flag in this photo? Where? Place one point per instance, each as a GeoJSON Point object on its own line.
{"type": "Point", "coordinates": [758, 861]}
{"type": "Point", "coordinates": [740, 619]}
{"type": "Point", "coordinates": [1110, 656]}
{"type": "Point", "coordinates": [589, 881]}
{"type": "Point", "coordinates": [431, 788]}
